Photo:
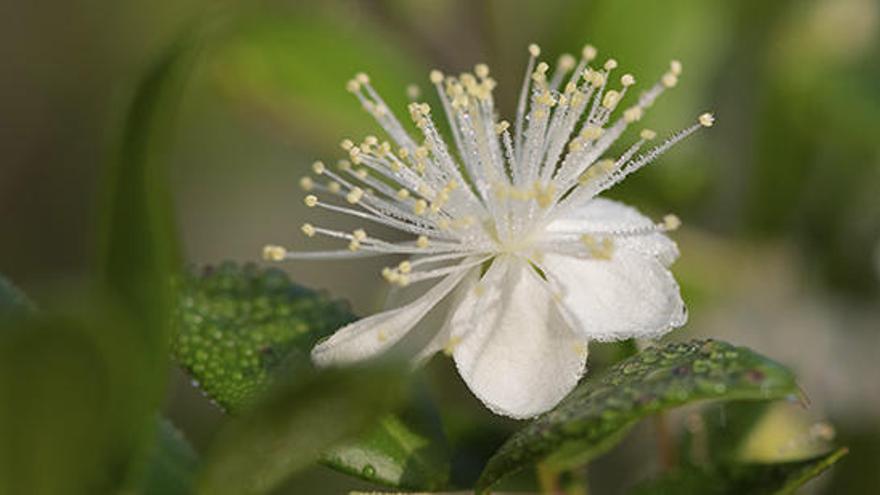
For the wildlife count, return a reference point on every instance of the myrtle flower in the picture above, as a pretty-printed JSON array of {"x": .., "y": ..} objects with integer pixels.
[{"x": 510, "y": 248}]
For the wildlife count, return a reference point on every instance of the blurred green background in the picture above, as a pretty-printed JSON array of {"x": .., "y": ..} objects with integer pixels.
[{"x": 780, "y": 200}]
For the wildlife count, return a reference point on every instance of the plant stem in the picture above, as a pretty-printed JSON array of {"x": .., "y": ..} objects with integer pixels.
[
  {"x": 666, "y": 450},
  {"x": 548, "y": 479}
]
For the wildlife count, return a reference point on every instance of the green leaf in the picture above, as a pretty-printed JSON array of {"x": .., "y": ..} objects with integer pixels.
[
  {"x": 71, "y": 418},
  {"x": 234, "y": 326},
  {"x": 171, "y": 465},
  {"x": 289, "y": 429},
  {"x": 599, "y": 412},
  {"x": 755, "y": 479},
  {"x": 406, "y": 452},
  {"x": 12, "y": 300}
]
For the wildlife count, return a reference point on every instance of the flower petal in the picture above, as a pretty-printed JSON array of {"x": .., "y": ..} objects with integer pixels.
[
  {"x": 373, "y": 335},
  {"x": 605, "y": 214},
  {"x": 629, "y": 296},
  {"x": 516, "y": 352}
]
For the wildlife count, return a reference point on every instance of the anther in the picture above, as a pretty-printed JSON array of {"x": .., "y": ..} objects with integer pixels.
[
  {"x": 633, "y": 114},
  {"x": 362, "y": 78},
  {"x": 534, "y": 50},
  {"x": 318, "y": 167},
  {"x": 354, "y": 195},
  {"x": 707, "y": 120},
  {"x": 308, "y": 230},
  {"x": 306, "y": 183},
  {"x": 610, "y": 64},
  {"x": 627, "y": 80},
  {"x": 566, "y": 62},
  {"x": 669, "y": 80},
  {"x": 671, "y": 222},
  {"x": 360, "y": 234},
  {"x": 311, "y": 200},
  {"x": 647, "y": 134},
  {"x": 610, "y": 99},
  {"x": 422, "y": 241},
  {"x": 436, "y": 76},
  {"x": 675, "y": 67},
  {"x": 274, "y": 253},
  {"x": 405, "y": 267},
  {"x": 481, "y": 70},
  {"x": 588, "y": 52}
]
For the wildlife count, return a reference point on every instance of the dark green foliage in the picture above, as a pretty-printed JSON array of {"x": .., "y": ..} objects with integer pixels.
[
  {"x": 72, "y": 417},
  {"x": 172, "y": 464},
  {"x": 234, "y": 325},
  {"x": 596, "y": 415},
  {"x": 12, "y": 300},
  {"x": 290, "y": 427},
  {"x": 754, "y": 479}
]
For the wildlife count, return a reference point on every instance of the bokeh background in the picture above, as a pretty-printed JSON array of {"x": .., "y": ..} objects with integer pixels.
[{"x": 780, "y": 200}]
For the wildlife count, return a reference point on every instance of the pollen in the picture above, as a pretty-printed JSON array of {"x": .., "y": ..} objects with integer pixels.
[
  {"x": 671, "y": 222},
  {"x": 311, "y": 200},
  {"x": 308, "y": 229},
  {"x": 404, "y": 267},
  {"x": 354, "y": 195},
  {"x": 707, "y": 120},
  {"x": 360, "y": 234},
  {"x": 274, "y": 253}
]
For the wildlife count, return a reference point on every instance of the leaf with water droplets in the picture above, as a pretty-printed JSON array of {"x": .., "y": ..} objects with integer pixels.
[
  {"x": 171, "y": 465},
  {"x": 599, "y": 411},
  {"x": 757, "y": 479},
  {"x": 234, "y": 325}
]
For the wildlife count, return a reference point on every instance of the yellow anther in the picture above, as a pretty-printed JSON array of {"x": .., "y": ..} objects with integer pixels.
[
  {"x": 361, "y": 173},
  {"x": 669, "y": 80},
  {"x": 371, "y": 140},
  {"x": 671, "y": 222},
  {"x": 544, "y": 195},
  {"x": 306, "y": 183},
  {"x": 627, "y": 80},
  {"x": 588, "y": 52},
  {"x": 610, "y": 99},
  {"x": 534, "y": 50},
  {"x": 354, "y": 245},
  {"x": 481, "y": 70},
  {"x": 502, "y": 126},
  {"x": 567, "y": 62},
  {"x": 580, "y": 349},
  {"x": 591, "y": 132},
  {"x": 436, "y": 76},
  {"x": 422, "y": 241},
  {"x": 318, "y": 167},
  {"x": 452, "y": 185},
  {"x": 402, "y": 194},
  {"x": 443, "y": 224},
  {"x": 360, "y": 234},
  {"x": 598, "y": 249},
  {"x": 308, "y": 230},
  {"x": 597, "y": 78},
  {"x": 381, "y": 335},
  {"x": 707, "y": 120},
  {"x": 675, "y": 67},
  {"x": 420, "y": 207},
  {"x": 274, "y": 253},
  {"x": 606, "y": 165},
  {"x": 403, "y": 280},
  {"x": 413, "y": 91},
  {"x": 570, "y": 88},
  {"x": 362, "y": 78},
  {"x": 343, "y": 165},
  {"x": 311, "y": 200},
  {"x": 633, "y": 114},
  {"x": 334, "y": 187},
  {"x": 354, "y": 195},
  {"x": 405, "y": 267},
  {"x": 346, "y": 144},
  {"x": 610, "y": 64},
  {"x": 647, "y": 134}
]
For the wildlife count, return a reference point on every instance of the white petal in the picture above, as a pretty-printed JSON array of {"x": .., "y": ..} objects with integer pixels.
[
  {"x": 373, "y": 335},
  {"x": 630, "y": 295},
  {"x": 605, "y": 214},
  {"x": 516, "y": 352}
]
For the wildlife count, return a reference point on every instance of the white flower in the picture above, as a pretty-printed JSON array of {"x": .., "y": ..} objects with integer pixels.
[{"x": 527, "y": 264}]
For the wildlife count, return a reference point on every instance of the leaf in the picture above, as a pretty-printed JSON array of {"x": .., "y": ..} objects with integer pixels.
[
  {"x": 599, "y": 412},
  {"x": 171, "y": 465},
  {"x": 289, "y": 429},
  {"x": 12, "y": 300},
  {"x": 754, "y": 479},
  {"x": 234, "y": 325},
  {"x": 71, "y": 419},
  {"x": 407, "y": 452}
]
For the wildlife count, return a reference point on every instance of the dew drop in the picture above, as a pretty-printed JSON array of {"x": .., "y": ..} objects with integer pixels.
[{"x": 369, "y": 470}]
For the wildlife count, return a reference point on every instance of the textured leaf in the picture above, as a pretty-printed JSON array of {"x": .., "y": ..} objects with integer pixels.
[
  {"x": 407, "y": 452},
  {"x": 754, "y": 479},
  {"x": 289, "y": 429},
  {"x": 234, "y": 325},
  {"x": 12, "y": 300},
  {"x": 171, "y": 465},
  {"x": 599, "y": 412},
  {"x": 71, "y": 419}
]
